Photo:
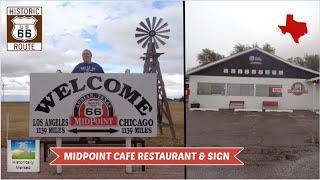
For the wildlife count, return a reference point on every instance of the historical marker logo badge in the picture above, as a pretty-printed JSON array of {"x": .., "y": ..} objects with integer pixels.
[
  {"x": 23, "y": 155},
  {"x": 24, "y": 28}
]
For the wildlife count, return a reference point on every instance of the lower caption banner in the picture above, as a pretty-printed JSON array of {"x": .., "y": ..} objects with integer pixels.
[{"x": 146, "y": 156}]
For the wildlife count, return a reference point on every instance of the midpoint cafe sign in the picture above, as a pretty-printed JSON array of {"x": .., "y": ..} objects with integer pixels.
[{"x": 93, "y": 105}]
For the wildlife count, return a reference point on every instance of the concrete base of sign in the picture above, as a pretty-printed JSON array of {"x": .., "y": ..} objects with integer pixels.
[
  {"x": 247, "y": 110},
  {"x": 279, "y": 110},
  {"x": 203, "y": 109}
]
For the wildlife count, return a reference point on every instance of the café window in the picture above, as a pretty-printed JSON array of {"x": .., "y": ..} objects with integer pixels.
[
  {"x": 233, "y": 71},
  {"x": 239, "y": 71},
  {"x": 211, "y": 89},
  {"x": 280, "y": 72},
  {"x": 225, "y": 70},
  {"x": 274, "y": 72},
  {"x": 253, "y": 71},
  {"x": 267, "y": 72},
  {"x": 266, "y": 90},
  {"x": 246, "y": 71},
  {"x": 240, "y": 89},
  {"x": 260, "y": 72}
]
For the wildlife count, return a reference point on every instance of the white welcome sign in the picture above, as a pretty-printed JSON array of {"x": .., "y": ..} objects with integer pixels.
[{"x": 93, "y": 105}]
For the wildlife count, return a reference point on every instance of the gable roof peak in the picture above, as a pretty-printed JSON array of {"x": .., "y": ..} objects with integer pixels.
[{"x": 247, "y": 51}]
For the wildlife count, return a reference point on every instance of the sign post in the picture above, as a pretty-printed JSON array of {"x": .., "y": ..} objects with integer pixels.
[
  {"x": 128, "y": 144},
  {"x": 59, "y": 144}
]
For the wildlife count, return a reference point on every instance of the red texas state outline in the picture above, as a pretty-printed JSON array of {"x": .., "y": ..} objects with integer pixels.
[{"x": 296, "y": 29}]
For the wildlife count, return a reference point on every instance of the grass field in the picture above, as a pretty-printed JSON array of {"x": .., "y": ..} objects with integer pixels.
[
  {"x": 24, "y": 155},
  {"x": 19, "y": 124},
  {"x": 177, "y": 112}
]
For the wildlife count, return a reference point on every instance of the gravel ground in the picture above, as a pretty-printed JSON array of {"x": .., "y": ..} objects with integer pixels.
[
  {"x": 265, "y": 164},
  {"x": 277, "y": 145}
]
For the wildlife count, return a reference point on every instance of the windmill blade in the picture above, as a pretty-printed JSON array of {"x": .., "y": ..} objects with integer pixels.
[
  {"x": 154, "y": 19},
  {"x": 139, "y": 35},
  {"x": 142, "y": 39},
  {"x": 146, "y": 42},
  {"x": 162, "y": 42},
  {"x": 159, "y": 22},
  {"x": 148, "y": 23},
  {"x": 141, "y": 30},
  {"x": 144, "y": 26},
  {"x": 164, "y": 31},
  {"x": 152, "y": 31},
  {"x": 164, "y": 25},
  {"x": 155, "y": 43},
  {"x": 163, "y": 36}
]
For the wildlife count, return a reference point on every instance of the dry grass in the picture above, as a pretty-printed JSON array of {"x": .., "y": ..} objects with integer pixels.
[
  {"x": 164, "y": 140},
  {"x": 19, "y": 121},
  {"x": 19, "y": 124},
  {"x": 312, "y": 139}
]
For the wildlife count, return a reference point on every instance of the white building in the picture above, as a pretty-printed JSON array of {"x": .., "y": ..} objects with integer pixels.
[{"x": 254, "y": 79}]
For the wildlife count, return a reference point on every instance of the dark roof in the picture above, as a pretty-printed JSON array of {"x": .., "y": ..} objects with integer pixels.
[{"x": 241, "y": 60}]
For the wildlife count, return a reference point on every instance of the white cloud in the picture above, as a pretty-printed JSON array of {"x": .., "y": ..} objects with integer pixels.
[
  {"x": 120, "y": 33},
  {"x": 173, "y": 84},
  {"x": 113, "y": 22}
]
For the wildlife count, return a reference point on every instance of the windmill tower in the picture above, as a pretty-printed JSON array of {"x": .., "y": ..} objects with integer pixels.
[{"x": 149, "y": 36}]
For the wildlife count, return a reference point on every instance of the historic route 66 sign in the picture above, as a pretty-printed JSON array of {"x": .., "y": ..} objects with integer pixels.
[{"x": 24, "y": 28}]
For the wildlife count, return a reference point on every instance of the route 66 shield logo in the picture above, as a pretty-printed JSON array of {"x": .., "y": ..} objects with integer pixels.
[
  {"x": 24, "y": 28},
  {"x": 93, "y": 108}
]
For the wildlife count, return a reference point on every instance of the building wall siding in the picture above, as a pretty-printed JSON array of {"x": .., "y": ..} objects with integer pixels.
[{"x": 287, "y": 101}]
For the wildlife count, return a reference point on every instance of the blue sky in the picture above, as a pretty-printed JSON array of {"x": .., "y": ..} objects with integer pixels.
[
  {"x": 15, "y": 144},
  {"x": 107, "y": 28}
]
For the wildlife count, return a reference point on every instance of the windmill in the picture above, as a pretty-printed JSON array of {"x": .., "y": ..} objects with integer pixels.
[{"x": 150, "y": 35}]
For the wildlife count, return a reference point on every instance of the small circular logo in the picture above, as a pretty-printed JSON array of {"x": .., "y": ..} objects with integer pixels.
[{"x": 93, "y": 105}]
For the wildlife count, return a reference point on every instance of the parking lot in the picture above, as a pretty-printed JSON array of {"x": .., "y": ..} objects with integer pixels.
[{"x": 277, "y": 145}]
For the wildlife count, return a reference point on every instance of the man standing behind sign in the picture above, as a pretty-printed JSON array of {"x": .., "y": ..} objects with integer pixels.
[{"x": 87, "y": 66}]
